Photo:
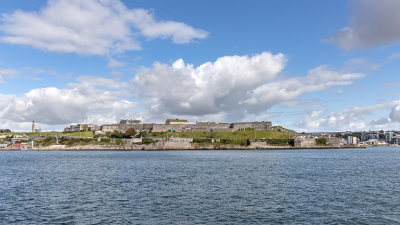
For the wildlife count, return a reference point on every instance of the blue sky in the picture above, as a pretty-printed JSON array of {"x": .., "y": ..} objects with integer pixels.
[{"x": 306, "y": 65}]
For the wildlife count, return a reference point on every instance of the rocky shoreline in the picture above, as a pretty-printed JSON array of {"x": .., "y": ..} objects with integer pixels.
[{"x": 162, "y": 148}]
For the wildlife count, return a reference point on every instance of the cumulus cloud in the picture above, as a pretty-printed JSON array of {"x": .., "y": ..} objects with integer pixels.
[
  {"x": 372, "y": 23},
  {"x": 355, "y": 118},
  {"x": 395, "y": 113},
  {"x": 277, "y": 92},
  {"x": 230, "y": 87},
  {"x": 54, "y": 106},
  {"x": 91, "y": 27}
]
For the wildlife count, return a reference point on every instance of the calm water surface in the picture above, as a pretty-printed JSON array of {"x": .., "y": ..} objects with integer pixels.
[{"x": 352, "y": 186}]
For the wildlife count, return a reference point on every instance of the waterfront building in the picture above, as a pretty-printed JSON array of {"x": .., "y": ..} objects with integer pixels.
[
  {"x": 388, "y": 137},
  {"x": 352, "y": 140},
  {"x": 369, "y": 136},
  {"x": 396, "y": 140}
]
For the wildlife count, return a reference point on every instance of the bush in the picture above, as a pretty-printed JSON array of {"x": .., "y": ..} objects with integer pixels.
[
  {"x": 147, "y": 141},
  {"x": 106, "y": 140},
  {"x": 202, "y": 140},
  {"x": 129, "y": 133},
  {"x": 320, "y": 141},
  {"x": 48, "y": 139},
  {"x": 242, "y": 142},
  {"x": 108, "y": 134},
  {"x": 280, "y": 141},
  {"x": 118, "y": 141},
  {"x": 117, "y": 134}
]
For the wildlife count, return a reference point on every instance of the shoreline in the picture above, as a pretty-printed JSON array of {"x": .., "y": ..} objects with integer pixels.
[{"x": 194, "y": 148}]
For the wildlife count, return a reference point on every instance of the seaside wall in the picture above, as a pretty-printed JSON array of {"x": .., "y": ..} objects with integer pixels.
[{"x": 304, "y": 142}]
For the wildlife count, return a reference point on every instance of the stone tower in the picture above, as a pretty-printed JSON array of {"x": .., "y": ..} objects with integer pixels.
[{"x": 33, "y": 126}]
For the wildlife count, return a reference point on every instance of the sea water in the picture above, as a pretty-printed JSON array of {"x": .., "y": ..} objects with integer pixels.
[{"x": 335, "y": 186}]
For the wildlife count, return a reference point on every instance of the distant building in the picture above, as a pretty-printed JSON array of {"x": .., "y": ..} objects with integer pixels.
[
  {"x": 124, "y": 125},
  {"x": 369, "y": 136},
  {"x": 396, "y": 140},
  {"x": 352, "y": 140},
  {"x": 388, "y": 137},
  {"x": 176, "y": 121},
  {"x": 130, "y": 122},
  {"x": 81, "y": 127}
]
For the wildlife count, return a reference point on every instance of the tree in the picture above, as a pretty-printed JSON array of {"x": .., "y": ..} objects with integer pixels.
[
  {"x": 129, "y": 133},
  {"x": 117, "y": 134}
]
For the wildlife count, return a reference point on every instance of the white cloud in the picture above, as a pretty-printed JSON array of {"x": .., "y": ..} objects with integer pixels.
[
  {"x": 7, "y": 73},
  {"x": 372, "y": 23},
  {"x": 114, "y": 63},
  {"x": 395, "y": 113},
  {"x": 91, "y": 27},
  {"x": 361, "y": 64},
  {"x": 93, "y": 81},
  {"x": 54, "y": 106},
  {"x": 280, "y": 91},
  {"x": 355, "y": 118},
  {"x": 229, "y": 88}
]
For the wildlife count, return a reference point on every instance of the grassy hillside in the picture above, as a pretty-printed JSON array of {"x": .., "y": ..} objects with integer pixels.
[{"x": 79, "y": 134}]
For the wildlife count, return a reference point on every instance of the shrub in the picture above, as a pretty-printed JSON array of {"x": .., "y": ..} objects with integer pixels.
[
  {"x": 118, "y": 141},
  {"x": 202, "y": 140},
  {"x": 320, "y": 141},
  {"x": 280, "y": 141},
  {"x": 106, "y": 140},
  {"x": 147, "y": 141},
  {"x": 117, "y": 134},
  {"x": 48, "y": 139},
  {"x": 129, "y": 133},
  {"x": 108, "y": 134},
  {"x": 242, "y": 142}
]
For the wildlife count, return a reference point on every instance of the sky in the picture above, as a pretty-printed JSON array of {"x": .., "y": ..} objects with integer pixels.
[{"x": 307, "y": 65}]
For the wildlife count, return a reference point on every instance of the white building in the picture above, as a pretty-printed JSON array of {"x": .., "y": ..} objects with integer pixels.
[{"x": 352, "y": 140}]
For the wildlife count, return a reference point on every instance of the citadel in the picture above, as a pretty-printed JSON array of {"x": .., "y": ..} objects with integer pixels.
[{"x": 177, "y": 125}]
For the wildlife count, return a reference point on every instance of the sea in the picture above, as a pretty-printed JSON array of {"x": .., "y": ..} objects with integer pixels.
[{"x": 314, "y": 186}]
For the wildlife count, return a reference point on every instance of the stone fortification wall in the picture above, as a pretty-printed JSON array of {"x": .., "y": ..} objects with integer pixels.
[
  {"x": 304, "y": 142},
  {"x": 334, "y": 141},
  {"x": 286, "y": 131},
  {"x": 121, "y": 127},
  {"x": 192, "y": 127},
  {"x": 198, "y": 127},
  {"x": 253, "y": 125},
  {"x": 148, "y": 127},
  {"x": 167, "y": 127},
  {"x": 309, "y": 142}
]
